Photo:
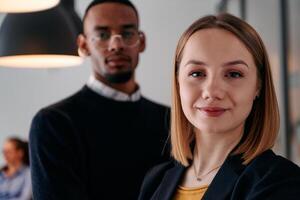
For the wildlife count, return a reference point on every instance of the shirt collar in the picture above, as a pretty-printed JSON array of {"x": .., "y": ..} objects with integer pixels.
[
  {"x": 17, "y": 173},
  {"x": 111, "y": 93}
]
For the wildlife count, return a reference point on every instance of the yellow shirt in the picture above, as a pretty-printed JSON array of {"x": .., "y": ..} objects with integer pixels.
[{"x": 183, "y": 193}]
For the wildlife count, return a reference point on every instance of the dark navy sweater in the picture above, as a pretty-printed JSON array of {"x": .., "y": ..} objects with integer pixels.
[{"x": 91, "y": 147}]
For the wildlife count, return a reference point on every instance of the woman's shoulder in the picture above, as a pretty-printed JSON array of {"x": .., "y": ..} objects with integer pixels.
[
  {"x": 155, "y": 176},
  {"x": 158, "y": 171},
  {"x": 269, "y": 161},
  {"x": 270, "y": 176}
]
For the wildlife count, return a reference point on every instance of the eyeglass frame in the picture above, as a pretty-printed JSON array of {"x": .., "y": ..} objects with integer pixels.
[{"x": 111, "y": 37}]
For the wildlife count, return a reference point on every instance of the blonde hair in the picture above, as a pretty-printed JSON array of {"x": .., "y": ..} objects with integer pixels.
[{"x": 262, "y": 124}]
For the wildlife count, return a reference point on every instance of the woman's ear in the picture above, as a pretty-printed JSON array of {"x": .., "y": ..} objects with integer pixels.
[
  {"x": 257, "y": 93},
  {"x": 142, "y": 45},
  {"x": 83, "y": 50}
]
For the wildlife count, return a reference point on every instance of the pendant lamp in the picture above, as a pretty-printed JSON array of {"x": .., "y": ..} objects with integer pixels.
[
  {"x": 44, "y": 39},
  {"x": 21, "y": 6},
  {"x": 69, "y": 7}
]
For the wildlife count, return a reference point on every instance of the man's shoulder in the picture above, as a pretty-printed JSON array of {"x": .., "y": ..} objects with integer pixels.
[
  {"x": 64, "y": 107},
  {"x": 58, "y": 121},
  {"x": 151, "y": 104},
  {"x": 70, "y": 100},
  {"x": 158, "y": 113}
]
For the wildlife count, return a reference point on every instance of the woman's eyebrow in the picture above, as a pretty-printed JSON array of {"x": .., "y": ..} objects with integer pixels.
[
  {"x": 195, "y": 62},
  {"x": 236, "y": 62},
  {"x": 230, "y": 63}
]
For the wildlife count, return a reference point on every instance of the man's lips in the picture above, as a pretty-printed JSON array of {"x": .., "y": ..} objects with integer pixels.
[
  {"x": 116, "y": 58},
  {"x": 212, "y": 111},
  {"x": 115, "y": 61}
]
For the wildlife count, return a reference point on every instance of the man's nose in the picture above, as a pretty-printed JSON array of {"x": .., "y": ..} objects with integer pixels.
[{"x": 116, "y": 43}]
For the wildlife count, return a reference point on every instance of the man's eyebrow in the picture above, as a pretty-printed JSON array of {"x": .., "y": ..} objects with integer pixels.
[
  {"x": 129, "y": 26},
  {"x": 125, "y": 26},
  {"x": 101, "y": 28},
  {"x": 236, "y": 62}
]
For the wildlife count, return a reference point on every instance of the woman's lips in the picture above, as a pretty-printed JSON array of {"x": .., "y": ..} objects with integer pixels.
[{"x": 212, "y": 111}]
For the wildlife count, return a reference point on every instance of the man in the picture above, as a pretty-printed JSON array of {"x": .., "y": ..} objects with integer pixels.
[{"x": 100, "y": 142}]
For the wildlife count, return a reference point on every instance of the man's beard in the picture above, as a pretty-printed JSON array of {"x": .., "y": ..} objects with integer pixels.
[{"x": 121, "y": 77}]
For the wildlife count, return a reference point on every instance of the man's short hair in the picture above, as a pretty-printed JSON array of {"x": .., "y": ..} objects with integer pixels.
[{"x": 96, "y": 2}]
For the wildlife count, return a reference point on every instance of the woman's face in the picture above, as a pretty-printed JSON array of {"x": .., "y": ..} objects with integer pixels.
[
  {"x": 11, "y": 154},
  {"x": 217, "y": 81}
]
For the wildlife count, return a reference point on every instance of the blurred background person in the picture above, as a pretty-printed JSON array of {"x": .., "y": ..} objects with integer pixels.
[{"x": 15, "y": 181}]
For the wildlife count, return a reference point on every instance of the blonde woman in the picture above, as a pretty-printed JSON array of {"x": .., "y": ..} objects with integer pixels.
[{"x": 225, "y": 120}]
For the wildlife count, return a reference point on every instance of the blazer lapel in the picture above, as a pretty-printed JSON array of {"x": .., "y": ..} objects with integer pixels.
[
  {"x": 223, "y": 183},
  {"x": 169, "y": 183}
]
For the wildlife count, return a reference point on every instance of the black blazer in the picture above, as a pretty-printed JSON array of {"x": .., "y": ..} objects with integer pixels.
[{"x": 268, "y": 176}]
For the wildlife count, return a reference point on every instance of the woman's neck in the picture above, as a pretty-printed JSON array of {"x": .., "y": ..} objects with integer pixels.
[
  {"x": 210, "y": 152},
  {"x": 211, "y": 149}
]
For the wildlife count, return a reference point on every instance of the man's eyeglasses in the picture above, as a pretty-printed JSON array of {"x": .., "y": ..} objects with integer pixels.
[{"x": 130, "y": 38}]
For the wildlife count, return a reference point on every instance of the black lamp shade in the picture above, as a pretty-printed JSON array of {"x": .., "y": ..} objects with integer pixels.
[
  {"x": 50, "y": 32},
  {"x": 69, "y": 7}
]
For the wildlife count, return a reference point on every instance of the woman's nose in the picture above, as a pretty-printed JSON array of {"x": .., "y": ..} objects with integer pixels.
[{"x": 213, "y": 88}]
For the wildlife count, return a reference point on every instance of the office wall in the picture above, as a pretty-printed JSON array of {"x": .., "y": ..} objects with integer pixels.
[
  {"x": 264, "y": 15},
  {"x": 294, "y": 77}
]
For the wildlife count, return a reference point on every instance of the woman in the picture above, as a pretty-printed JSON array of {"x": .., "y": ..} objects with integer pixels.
[
  {"x": 15, "y": 181},
  {"x": 225, "y": 120}
]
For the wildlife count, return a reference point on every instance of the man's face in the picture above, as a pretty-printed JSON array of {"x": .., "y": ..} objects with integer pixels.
[{"x": 107, "y": 27}]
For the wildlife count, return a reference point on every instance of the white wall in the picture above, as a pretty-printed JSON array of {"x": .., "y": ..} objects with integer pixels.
[{"x": 24, "y": 92}]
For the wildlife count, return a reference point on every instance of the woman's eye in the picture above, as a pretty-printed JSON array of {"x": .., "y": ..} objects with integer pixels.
[
  {"x": 197, "y": 74},
  {"x": 234, "y": 75}
]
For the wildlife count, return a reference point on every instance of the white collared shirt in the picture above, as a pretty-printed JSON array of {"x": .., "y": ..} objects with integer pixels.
[{"x": 111, "y": 93}]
